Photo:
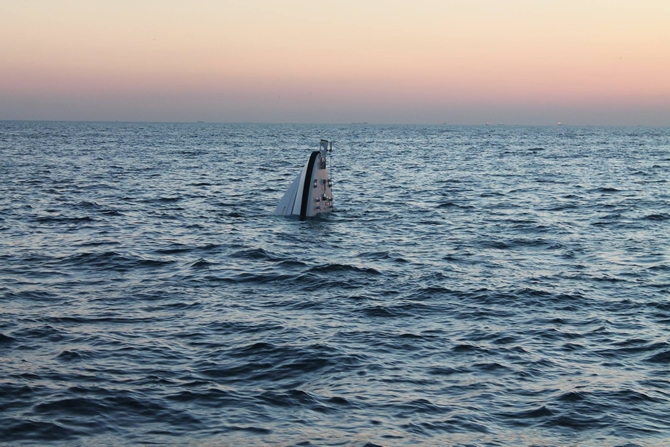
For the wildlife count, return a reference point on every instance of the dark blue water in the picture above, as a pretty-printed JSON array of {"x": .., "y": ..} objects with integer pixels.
[{"x": 475, "y": 286}]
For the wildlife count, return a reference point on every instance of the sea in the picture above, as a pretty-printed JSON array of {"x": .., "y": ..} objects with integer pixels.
[{"x": 474, "y": 286}]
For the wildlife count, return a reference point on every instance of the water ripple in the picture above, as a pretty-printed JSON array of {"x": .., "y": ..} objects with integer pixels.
[{"x": 490, "y": 285}]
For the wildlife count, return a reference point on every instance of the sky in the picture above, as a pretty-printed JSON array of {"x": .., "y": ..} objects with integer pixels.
[{"x": 538, "y": 62}]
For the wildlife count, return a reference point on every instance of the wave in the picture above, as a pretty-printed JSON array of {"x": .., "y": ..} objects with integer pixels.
[
  {"x": 111, "y": 260},
  {"x": 657, "y": 217},
  {"x": 342, "y": 268}
]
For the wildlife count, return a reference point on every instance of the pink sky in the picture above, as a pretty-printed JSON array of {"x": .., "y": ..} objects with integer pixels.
[{"x": 381, "y": 61}]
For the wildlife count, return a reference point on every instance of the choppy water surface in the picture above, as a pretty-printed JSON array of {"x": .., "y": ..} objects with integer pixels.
[{"x": 476, "y": 285}]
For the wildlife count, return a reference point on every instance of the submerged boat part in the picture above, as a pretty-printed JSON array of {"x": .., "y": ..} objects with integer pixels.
[{"x": 311, "y": 191}]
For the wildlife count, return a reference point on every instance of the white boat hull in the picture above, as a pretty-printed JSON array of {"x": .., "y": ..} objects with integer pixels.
[{"x": 311, "y": 191}]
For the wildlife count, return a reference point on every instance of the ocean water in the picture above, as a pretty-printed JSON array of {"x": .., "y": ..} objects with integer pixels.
[{"x": 485, "y": 286}]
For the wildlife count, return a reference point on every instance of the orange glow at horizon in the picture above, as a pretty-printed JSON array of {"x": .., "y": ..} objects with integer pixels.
[{"x": 277, "y": 61}]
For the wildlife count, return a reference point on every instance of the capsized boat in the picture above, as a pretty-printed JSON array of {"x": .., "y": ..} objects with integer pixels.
[{"x": 311, "y": 191}]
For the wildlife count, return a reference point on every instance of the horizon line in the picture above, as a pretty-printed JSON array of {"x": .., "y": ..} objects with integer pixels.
[{"x": 360, "y": 124}]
